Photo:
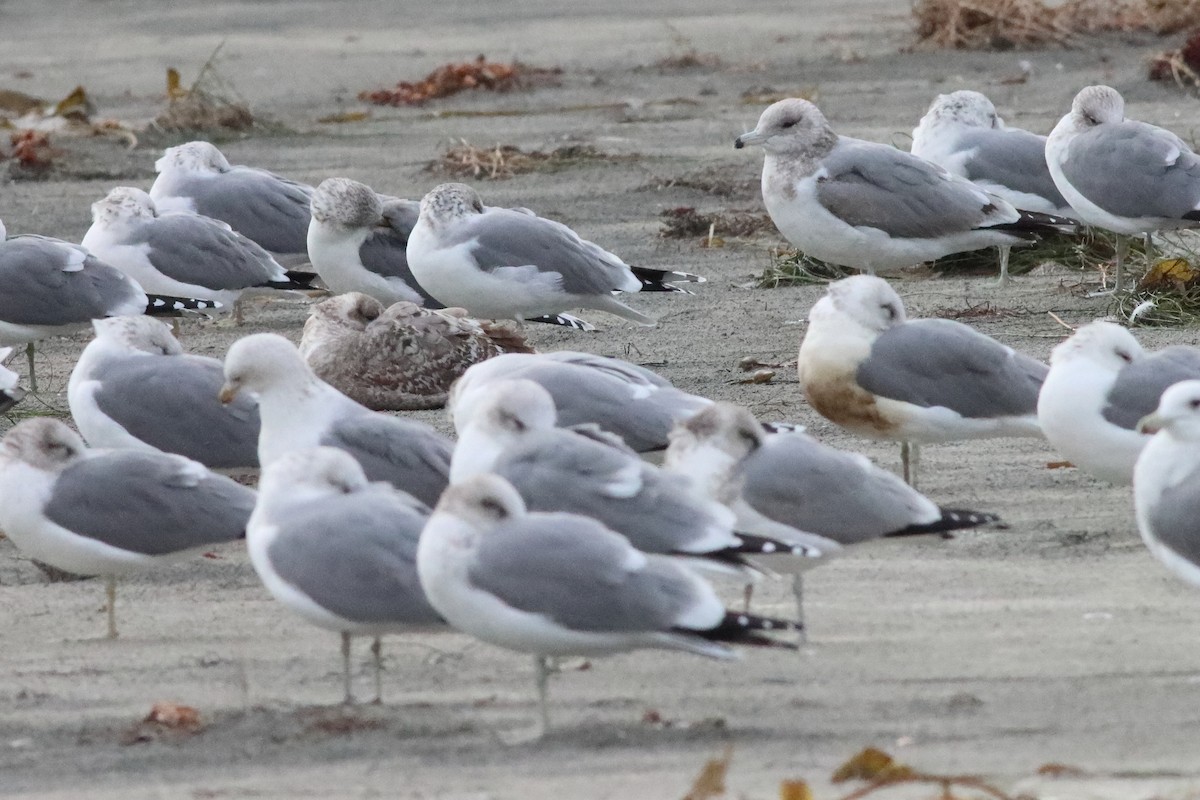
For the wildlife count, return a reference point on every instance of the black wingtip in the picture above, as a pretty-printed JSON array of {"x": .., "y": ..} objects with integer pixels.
[
  {"x": 952, "y": 519},
  {"x": 163, "y": 305},
  {"x": 661, "y": 280},
  {"x": 302, "y": 278},
  {"x": 749, "y": 629},
  {"x": 1033, "y": 224},
  {"x": 752, "y": 544},
  {"x": 564, "y": 321}
]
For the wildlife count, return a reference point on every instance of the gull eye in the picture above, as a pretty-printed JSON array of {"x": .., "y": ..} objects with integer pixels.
[
  {"x": 1194, "y": 402},
  {"x": 888, "y": 310},
  {"x": 791, "y": 123},
  {"x": 493, "y": 508},
  {"x": 1126, "y": 357}
]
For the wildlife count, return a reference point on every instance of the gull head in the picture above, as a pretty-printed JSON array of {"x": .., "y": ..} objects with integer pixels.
[
  {"x": 194, "y": 157},
  {"x": 121, "y": 205},
  {"x": 449, "y": 202},
  {"x": 791, "y": 127},
  {"x": 43, "y": 443},
  {"x": 708, "y": 447},
  {"x": 347, "y": 204},
  {"x": 512, "y": 409},
  {"x": 482, "y": 501},
  {"x": 1104, "y": 345},
  {"x": 321, "y": 470},
  {"x": 138, "y": 332},
  {"x": 1178, "y": 413},
  {"x": 352, "y": 310},
  {"x": 867, "y": 300},
  {"x": 261, "y": 363},
  {"x": 1097, "y": 105},
  {"x": 966, "y": 108}
]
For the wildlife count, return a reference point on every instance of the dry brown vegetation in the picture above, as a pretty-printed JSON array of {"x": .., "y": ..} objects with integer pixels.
[
  {"x": 450, "y": 79},
  {"x": 500, "y": 161},
  {"x": 209, "y": 105},
  {"x": 686, "y": 222},
  {"x": 1181, "y": 66}
]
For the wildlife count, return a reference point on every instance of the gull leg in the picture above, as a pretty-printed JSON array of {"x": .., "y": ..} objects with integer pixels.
[
  {"x": 747, "y": 595},
  {"x": 1005, "y": 252},
  {"x": 544, "y": 668},
  {"x": 349, "y": 696},
  {"x": 1122, "y": 251},
  {"x": 32, "y": 375},
  {"x": 798, "y": 593},
  {"x": 110, "y": 591},
  {"x": 910, "y": 458},
  {"x": 377, "y": 652},
  {"x": 915, "y": 458}
]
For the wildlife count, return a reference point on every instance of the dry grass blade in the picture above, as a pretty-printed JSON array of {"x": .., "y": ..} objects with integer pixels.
[{"x": 792, "y": 268}]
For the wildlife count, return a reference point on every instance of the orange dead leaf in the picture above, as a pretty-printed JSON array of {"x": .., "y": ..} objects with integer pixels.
[
  {"x": 175, "y": 716},
  {"x": 1056, "y": 770},
  {"x": 871, "y": 764},
  {"x": 710, "y": 783},
  {"x": 344, "y": 116},
  {"x": 175, "y": 89},
  {"x": 1059, "y": 465},
  {"x": 454, "y": 78},
  {"x": 795, "y": 790},
  {"x": 1170, "y": 274}
]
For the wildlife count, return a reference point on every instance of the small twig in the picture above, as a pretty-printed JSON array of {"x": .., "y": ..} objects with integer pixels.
[{"x": 1059, "y": 320}]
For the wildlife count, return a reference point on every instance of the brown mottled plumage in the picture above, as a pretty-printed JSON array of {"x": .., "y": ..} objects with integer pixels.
[{"x": 400, "y": 358}]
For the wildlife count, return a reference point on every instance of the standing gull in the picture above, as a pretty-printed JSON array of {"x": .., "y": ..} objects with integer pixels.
[
  {"x": 1100, "y": 385},
  {"x": 300, "y": 411},
  {"x": 622, "y": 398},
  {"x": 1120, "y": 174},
  {"x": 339, "y": 551},
  {"x": 504, "y": 263},
  {"x": 1166, "y": 482},
  {"x": 962, "y": 134},
  {"x": 870, "y": 206},
  {"x": 564, "y": 585},
  {"x": 110, "y": 512},
  {"x": 272, "y": 211},
  {"x": 134, "y": 387},
  {"x": 866, "y": 367}
]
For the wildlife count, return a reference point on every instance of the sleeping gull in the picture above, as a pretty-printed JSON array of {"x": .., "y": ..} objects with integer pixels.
[
  {"x": 300, "y": 411},
  {"x": 792, "y": 487},
  {"x": 339, "y": 551},
  {"x": 1101, "y": 383},
  {"x": 110, "y": 512},
  {"x": 866, "y": 367},
  {"x": 272, "y": 211},
  {"x": 963, "y": 135},
  {"x": 134, "y": 387},
  {"x": 177, "y": 253},
  {"x": 622, "y": 398},
  {"x": 1166, "y": 482},
  {"x": 505, "y": 263},
  {"x": 564, "y": 585},
  {"x": 399, "y": 358},
  {"x": 1120, "y": 174},
  {"x": 870, "y": 206},
  {"x": 513, "y": 435}
]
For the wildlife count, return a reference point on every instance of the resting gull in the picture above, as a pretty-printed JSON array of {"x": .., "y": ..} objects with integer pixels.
[
  {"x": 1101, "y": 383},
  {"x": 868, "y": 368},
  {"x": 1120, "y": 174},
  {"x": 300, "y": 411},
  {"x": 565, "y": 585},
  {"x": 110, "y": 512},
  {"x": 339, "y": 551},
  {"x": 1166, "y": 482},
  {"x": 870, "y": 206},
  {"x": 135, "y": 387}
]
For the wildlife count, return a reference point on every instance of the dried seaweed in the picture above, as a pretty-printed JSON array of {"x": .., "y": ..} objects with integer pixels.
[
  {"x": 1168, "y": 295},
  {"x": 793, "y": 268},
  {"x": 686, "y": 222},
  {"x": 501, "y": 161},
  {"x": 450, "y": 79},
  {"x": 1181, "y": 66},
  {"x": 210, "y": 105}
]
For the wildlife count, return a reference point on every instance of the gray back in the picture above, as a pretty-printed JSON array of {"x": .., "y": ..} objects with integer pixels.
[
  {"x": 1012, "y": 158},
  {"x": 194, "y": 250},
  {"x": 1139, "y": 385},
  {"x": 410, "y": 455},
  {"x": 34, "y": 290},
  {"x": 262, "y": 206}
]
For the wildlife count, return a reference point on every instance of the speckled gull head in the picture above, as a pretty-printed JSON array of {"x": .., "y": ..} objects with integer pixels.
[
  {"x": 791, "y": 127},
  {"x": 965, "y": 107},
  {"x": 43, "y": 443},
  {"x": 346, "y": 203},
  {"x": 711, "y": 444},
  {"x": 1178, "y": 413},
  {"x": 196, "y": 157},
  {"x": 481, "y": 501},
  {"x": 449, "y": 202},
  {"x": 139, "y": 333},
  {"x": 322, "y": 470},
  {"x": 353, "y": 310},
  {"x": 1096, "y": 105},
  {"x": 1105, "y": 344},
  {"x": 869, "y": 301},
  {"x": 263, "y": 361},
  {"x": 121, "y": 205}
]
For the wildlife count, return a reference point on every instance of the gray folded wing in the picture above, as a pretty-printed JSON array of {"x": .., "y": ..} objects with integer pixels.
[
  {"x": 1132, "y": 169},
  {"x": 170, "y": 402},
  {"x": 877, "y": 186},
  {"x": 148, "y": 503},
  {"x": 575, "y": 572},
  {"x": 410, "y": 455},
  {"x": 938, "y": 362},
  {"x": 1139, "y": 385},
  {"x": 203, "y": 252},
  {"x": 35, "y": 289},
  {"x": 1012, "y": 158},
  {"x": 264, "y": 207},
  {"x": 797, "y": 481},
  {"x": 1175, "y": 517},
  {"x": 384, "y": 252},
  {"x": 355, "y": 556}
]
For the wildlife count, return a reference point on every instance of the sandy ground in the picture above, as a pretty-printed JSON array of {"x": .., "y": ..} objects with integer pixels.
[{"x": 1058, "y": 640}]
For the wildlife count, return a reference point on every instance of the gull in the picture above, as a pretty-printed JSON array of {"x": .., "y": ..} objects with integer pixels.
[
  {"x": 300, "y": 411},
  {"x": 402, "y": 357},
  {"x": 1166, "y": 482},
  {"x": 791, "y": 487},
  {"x": 963, "y": 135},
  {"x": 177, "y": 253},
  {"x": 1126, "y": 176},
  {"x": 866, "y": 367},
  {"x": 196, "y": 178},
  {"x": 870, "y": 206},
  {"x": 110, "y": 512},
  {"x": 135, "y": 387},
  {"x": 513, "y": 435},
  {"x": 339, "y": 551},
  {"x": 622, "y": 398},
  {"x": 505, "y": 263},
  {"x": 1101, "y": 383},
  {"x": 564, "y": 585}
]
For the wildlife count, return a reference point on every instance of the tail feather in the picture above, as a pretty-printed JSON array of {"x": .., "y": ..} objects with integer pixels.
[
  {"x": 748, "y": 629},
  {"x": 953, "y": 519},
  {"x": 1033, "y": 224},
  {"x": 658, "y": 280},
  {"x": 783, "y": 427},
  {"x": 164, "y": 305}
]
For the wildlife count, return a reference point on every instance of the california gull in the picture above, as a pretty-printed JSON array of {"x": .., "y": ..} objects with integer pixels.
[
  {"x": 564, "y": 585},
  {"x": 300, "y": 411},
  {"x": 135, "y": 387},
  {"x": 868, "y": 368},
  {"x": 870, "y": 206},
  {"x": 110, "y": 512},
  {"x": 1101, "y": 383}
]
